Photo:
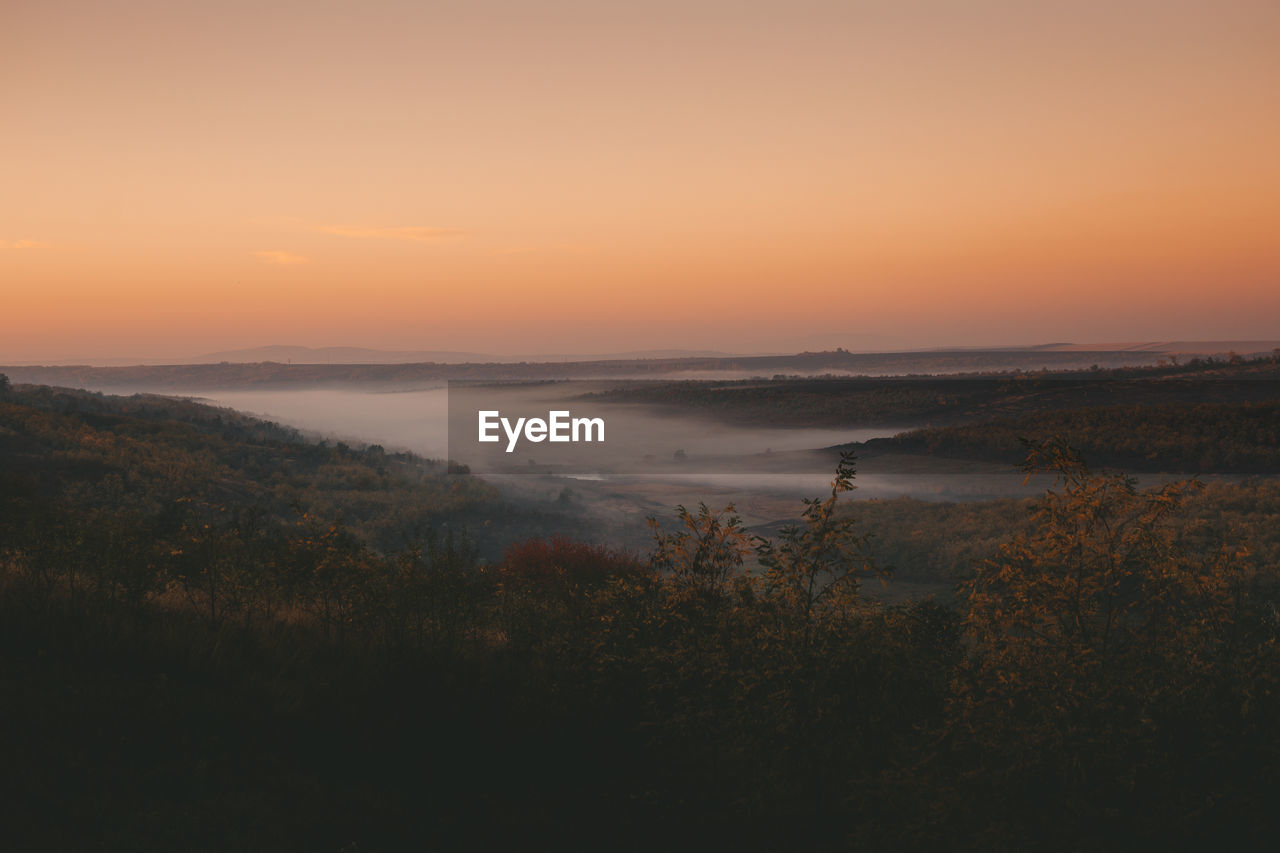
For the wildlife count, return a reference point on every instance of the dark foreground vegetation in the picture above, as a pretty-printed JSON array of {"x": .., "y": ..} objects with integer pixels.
[{"x": 196, "y": 655}]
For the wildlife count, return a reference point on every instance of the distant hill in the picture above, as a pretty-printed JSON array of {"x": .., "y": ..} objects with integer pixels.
[
  {"x": 282, "y": 367},
  {"x": 336, "y": 355},
  {"x": 1244, "y": 348},
  {"x": 364, "y": 355},
  {"x": 402, "y": 376}
]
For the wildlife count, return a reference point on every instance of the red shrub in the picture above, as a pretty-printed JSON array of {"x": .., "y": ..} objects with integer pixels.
[{"x": 559, "y": 562}]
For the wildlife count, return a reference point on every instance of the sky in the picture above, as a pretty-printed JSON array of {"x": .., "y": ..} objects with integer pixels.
[{"x": 180, "y": 178}]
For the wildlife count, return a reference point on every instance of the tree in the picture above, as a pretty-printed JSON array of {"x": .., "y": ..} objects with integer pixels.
[
  {"x": 1104, "y": 573},
  {"x": 703, "y": 556},
  {"x": 1096, "y": 642},
  {"x": 816, "y": 566}
]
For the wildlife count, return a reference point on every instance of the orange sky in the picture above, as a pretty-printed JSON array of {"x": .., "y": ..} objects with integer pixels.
[{"x": 177, "y": 178}]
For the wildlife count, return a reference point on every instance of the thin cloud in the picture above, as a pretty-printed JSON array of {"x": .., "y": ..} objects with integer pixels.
[
  {"x": 287, "y": 259},
  {"x": 410, "y": 233},
  {"x": 24, "y": 244},
  {"x": 544, "y": 248}
]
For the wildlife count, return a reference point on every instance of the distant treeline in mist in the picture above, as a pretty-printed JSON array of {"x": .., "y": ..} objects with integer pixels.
[
  {"x": 1200, "y": 438},
  {"x": 830, "y": 401}
]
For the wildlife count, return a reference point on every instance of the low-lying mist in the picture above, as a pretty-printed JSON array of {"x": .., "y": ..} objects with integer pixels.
[{"x": 651, "y": 460}]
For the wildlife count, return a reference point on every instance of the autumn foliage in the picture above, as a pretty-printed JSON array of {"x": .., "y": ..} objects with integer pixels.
[
  {"x": 188, "y": 665},
  {"x": 558, "y": 563}
]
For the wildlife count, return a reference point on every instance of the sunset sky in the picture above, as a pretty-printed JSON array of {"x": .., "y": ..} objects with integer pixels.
[{"x": 183, "y": 177}]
